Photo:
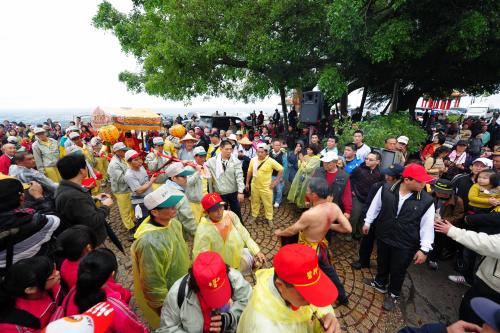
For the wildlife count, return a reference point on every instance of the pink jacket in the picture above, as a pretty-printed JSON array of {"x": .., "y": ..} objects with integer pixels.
[
  {"x": 124, "y": 321},
  {"x": 46, "y": 309},
  {"x": 69, "y": 274}
]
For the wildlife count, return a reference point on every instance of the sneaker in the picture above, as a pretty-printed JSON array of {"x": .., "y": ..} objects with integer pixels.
[
  {"x": 433, "y": 265},
  {"x": 359, "y": 265},
  {"x": 372, "y": 283},
  {"x": 271, "y": 224},
  {"x": 276, "y": 205},
  {"x": 458, "y": 279},
  {"x": 390, "y": 302}
]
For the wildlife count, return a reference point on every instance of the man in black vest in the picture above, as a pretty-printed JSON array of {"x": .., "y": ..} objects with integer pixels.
[
  {"x": 280, "y": 157},
  {"x": 405, "y": 230}
]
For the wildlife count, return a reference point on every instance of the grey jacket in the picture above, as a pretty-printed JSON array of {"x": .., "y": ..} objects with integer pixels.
[
  {"x": 45, "y": 156},
  {"x": 26, "y": 175},
  {"x": 188, "y": 318},
  {"x": 184, "y": 211},
  {"x": 116, "y": 171},
  {"x": 229, "y": 181}
]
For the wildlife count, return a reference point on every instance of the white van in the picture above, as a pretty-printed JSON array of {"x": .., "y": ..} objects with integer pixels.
[{"x": 485, "y": 111}]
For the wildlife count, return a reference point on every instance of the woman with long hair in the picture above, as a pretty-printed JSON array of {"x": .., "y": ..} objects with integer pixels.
[
  {"x": 30, "y": 295},
  {"x": 94, "y": 272}
]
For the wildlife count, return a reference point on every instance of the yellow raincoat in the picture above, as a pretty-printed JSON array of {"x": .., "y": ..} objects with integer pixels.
[
  {"x": 267, "y": 311},
  {"x": 159, "y": 258},
  {"x": 228, "y": 237}
]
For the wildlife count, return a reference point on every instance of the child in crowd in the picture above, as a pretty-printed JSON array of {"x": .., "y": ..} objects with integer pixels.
[
  {"x": 30, "y": 296},
  {"x": 484, "y": 196},
  {"x": 74, "y": 244},
  {"x": 94, "y": 273}
]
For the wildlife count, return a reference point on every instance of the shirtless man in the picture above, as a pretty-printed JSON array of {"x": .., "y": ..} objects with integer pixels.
[{"x": 313, "y": 225}]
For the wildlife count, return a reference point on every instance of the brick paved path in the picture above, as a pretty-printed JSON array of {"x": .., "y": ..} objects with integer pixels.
[{"x": 364, "y": 313}]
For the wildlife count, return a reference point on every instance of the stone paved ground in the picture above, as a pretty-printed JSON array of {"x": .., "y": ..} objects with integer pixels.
[{"x": 427, "y": 295}]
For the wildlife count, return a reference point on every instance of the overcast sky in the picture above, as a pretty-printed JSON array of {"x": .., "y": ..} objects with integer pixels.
[{"x": 52, "y": 57}]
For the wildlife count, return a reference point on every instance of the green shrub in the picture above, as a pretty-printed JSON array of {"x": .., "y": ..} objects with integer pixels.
[{"x": 378, "y": 128}]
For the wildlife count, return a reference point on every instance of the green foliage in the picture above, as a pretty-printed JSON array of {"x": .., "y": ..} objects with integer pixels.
[
  {"x": 332, "y": 84},
  {"x": 378, "y": 128},
  {"x": 452, "y": 118}
]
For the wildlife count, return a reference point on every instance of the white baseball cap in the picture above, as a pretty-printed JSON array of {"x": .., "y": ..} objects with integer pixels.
[
  {"x": 199, "y": 151},
  {"x": 158, "y": 140},
  {"x": 486, "y": 161},
  {"x": 162, "y": 197},
  {"x": 95, "y": 141},
  {"x": 232, "y": 137},
  {"x": 39, "y": 130},
  {"x": 238, "y": 132},
  {"x": 262, "y": 145},
  {"x": 74, "y": 135},
  {"x": 178, "y": 169},
  {"x": 330, "y": 156},
  {"x": 12, "y": 139},
  {"x": 131, "y": 154},
  {"x": 120, "y": 146},
  {"x": 403, "y": 139}
]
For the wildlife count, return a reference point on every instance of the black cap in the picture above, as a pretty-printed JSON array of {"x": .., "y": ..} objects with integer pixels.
[
  {"x": 443, "y": 186},
  {"x": 216, "y": 135},
  {"x": 394, "y": 170},
  {"x": 462, "y": 143}
]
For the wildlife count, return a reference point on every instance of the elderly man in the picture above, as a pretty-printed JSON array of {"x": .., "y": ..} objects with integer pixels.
[
  {"x": 9, "y": 150},
  {"x": 282, "y": 296},
  {"x": 46, "y": 153},
  {"x": 338, "y": 182},
  {"x": 260, "y": 171},
  {"x": 177, "y": 175},
  {"x": 227, "y": 177},
  {"x": 313, "y": 225},
  {"x": 155, "y": 160},
  {"x": 402, "y": 146},
  {"x": 186, "y": 152},
  {"x": 197, "y": 184},
  {"x": 24, "y": 170},
  {"x": 391, "y": 144},
  {"x": 159, "y": 254},
  {"x": 116, "y": 170}
]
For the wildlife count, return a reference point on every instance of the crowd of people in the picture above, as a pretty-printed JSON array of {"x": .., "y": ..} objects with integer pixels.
[{"x": 192, "y": 256}]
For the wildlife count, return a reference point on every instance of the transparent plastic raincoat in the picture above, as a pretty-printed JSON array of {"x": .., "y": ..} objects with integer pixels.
[
  {"x": 228, "y": 237},
  {"x": 159, "y": 258},
  {"x": 297, "y": 192},
  {"x": 267, "y": 311}
]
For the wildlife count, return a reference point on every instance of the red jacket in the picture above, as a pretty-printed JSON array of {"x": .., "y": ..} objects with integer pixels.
[{"x": 5, "y": 163}]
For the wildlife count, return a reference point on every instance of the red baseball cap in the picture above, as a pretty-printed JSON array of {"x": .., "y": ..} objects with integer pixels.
[
  {"x": 297, "y": 264},
  {"x": 417, "y": 172},
  {"x": 210, "y": 273},
  {"x": 209, "y": 200}
]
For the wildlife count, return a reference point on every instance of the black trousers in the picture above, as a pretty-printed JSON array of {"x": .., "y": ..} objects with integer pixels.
[
  {"x": 441, "y": 242},
  {"x": 234, "y": 205},
  {"x": 326, "y": 266},
  {"x": 366, "y": 247},
  {"x": 392, "y": 264},
  {"x": 478, "y": 289}
]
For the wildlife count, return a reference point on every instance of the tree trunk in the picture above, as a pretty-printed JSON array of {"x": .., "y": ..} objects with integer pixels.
[
  {"x": 394, "y": 99},
  {"x": 409, "y": 101},
  {"x": 343, "y": 105},
  {"x": 284, "y": 108},
  {"x": 386, "y": 108},
  {"x": 363, "y": 99}
]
